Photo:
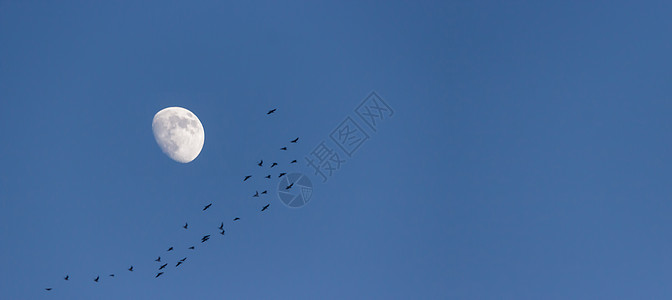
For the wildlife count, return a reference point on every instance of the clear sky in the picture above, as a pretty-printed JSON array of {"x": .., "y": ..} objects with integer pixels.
[{"x": 528, "y": 156}]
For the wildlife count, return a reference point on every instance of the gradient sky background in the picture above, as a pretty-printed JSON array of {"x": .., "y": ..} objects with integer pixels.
[{"x": 528, "y": 156}]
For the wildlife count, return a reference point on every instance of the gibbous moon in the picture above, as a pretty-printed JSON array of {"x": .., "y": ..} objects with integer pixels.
[{"x": 179, "y": 133}]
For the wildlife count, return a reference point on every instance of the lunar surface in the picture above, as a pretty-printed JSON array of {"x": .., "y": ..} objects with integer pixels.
[{"x": 179, "y": 133}]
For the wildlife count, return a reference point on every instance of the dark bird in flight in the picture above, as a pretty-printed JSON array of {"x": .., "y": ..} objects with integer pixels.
[
  {"x": 207, "y": 206},
  {"x": 170, "y": 249},
  {"x": 293, "y": 162},
  {"x": 111, "y": 275},
  {"x": 178, "y": 264},
  {"x": 289, "y": 186},
  {"x": 282, "y": 174},
  {"x": 247, "y": 177},
  {"x": 205, "y": 238},
  {"x": 221, "y": 226},
  {"x": 158, "y": 259},
  {"x": 261, "y": 163},
  {"x": 162, "y": 266},
  {"x": 265, "y": 207},
  {"x": 96, "y": 280},
  {"x": 256, "y": 194},
  {"x": 222, "y": 233},
  {"x": 283, "y": 148},
  {"x": 271, "y": 111},
  {"x": 131, "y": 269},
  {"x": 268, "y": 176},
  {"x": 274, "y": 164},
  {"x": 294, "y": 140},
  {"x": 186, "y": 225},
  {"x": 67, "y": 277},
  {"x": 192, "y": 247},
  {"x": 182, "y": 260},
  {"x": 48, "y": 289},
  {"x": 236, "y": 219},
  {"x": 157, "y": 275},
  {"x": 264, "y": 192}
]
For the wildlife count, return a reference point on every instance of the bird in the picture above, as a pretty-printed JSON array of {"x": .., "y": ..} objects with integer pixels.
[
  {"x": 183, "y": 259},
  {"x": 186, "y": 225},
  {"x": 289, "y": 186},
  {"x": 260, "y": 163},
  {"x": 293, "y": 162},
  {"x": 283, "y": 148},
  {"x": 131, "y": 269},
  {"x": 294, "y": 140},
  {"x": 111, "y": 275},
  {"x": 282, "y": 174},
  {"x": 268, "y": 176},
  {"x": 207, "y": 206},
  {"x": 170, "y": 249},
  {"x": 48, "y": 289},
  {"x": 96, "y": 280},
  {"x": 236, "y": 219},
  {"x": 271, "y": 111},
  {"x": 247, "y": 177},
  {"x": 192, "y": 247},
  {"x": 157, "y": 275},
  {"x": 158, "y": 259},
  {"x": 178, "y": 264},
  {"x": 221, "y": 226},
  {"x": 222, "y": 233},
  {"x": 264, "y": 192},
  {"x": 256, "y": 194},
  {"x": 67, "y": 277},
  {"x": 205, "y": 238},
  {"x": 162, "y": 266},
  {"x": 274, "y": 164},
  {"x": 265, "y": 207}
]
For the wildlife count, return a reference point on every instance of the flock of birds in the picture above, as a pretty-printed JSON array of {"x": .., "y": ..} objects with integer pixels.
[{"x": 162, "y": 268}]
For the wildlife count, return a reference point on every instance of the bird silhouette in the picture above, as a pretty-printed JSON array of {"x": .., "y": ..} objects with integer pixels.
[
  {"x": 268, "y": 176},
  {"x": 96, "y": 280},
  {"x": 236, "y": 219},
  {"x": 247, "y": 177},
  {"x": 282, "y": 174},
  {"x": 158, "y": 259},
  {"x": 162, "y": 266},
  {"x": 222, "y": 233},
  {"x": 283, "y": 148},
  {"x": 271, "y": 111},
  {"x": 289, "y": 186},
  {"x": 192, "y": 247},
  {"x": 264, "y": 192},
  {"x": 183, "y": 259},
  {"x": 111, "y": 275},
  {"x": 260, "y": 163},
  {"x": 170, "y": 249},
  {"x": 256, "y": 194},
  {"x": 48, "y": 289},
  {"x": 265, "y": 207},
  {"x": 131, "y": 269},
  {"x": 293, "y": 162},
  {"x": 67, "y": 277},
  {"x": 274, "y": 164},
  {"x": 186, "y": 225},
  {"x": 207, "y": 206},
  {"x": 178, "y": 264},
  {"x": 157, "y": 275},
  {"x": 205, "y": 238},
  {"x": 221, "y": 226},
  {"x": 294, "y": 140}
]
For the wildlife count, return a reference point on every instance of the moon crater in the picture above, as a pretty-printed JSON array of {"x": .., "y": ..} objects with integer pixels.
[{"x": 179, "y": 133}]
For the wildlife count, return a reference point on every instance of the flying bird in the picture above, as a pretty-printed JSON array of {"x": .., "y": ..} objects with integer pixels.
[
  {"x": 178, "y": 264},
  {"x": 183, "y": 259},
  {"x": 186, "y": 225},
  {"x": 282, "y": 174},
  {"x": 271, "y": 111},
  {"x": 268, "y": 176},
  {"x": 170, "y": 249},
  {"x": 48, "y": 289},
  {"x": 289, "y": 186},
  {"x": 192, "y": 247},
  {"x": 293, "y": 162},
  {"x": 162, "y": 266},
  {"x": 67, "y": 277},
  {"x": 157, "y": 275},
  {"x": 158, "y": 259},
  {"x": 265, "y": 207},
  {"x": 247, "y": 177},
  {"x": 294, "y": 140},
  {"x": 264, "y": 192},
  {"x": 274, "y": 164},
  {"x": 207, "y": 206},
  {"x": 96, "y": 280},
  {"x": 283, "y": 148},
  {"x": 221, "y": 226},
  {"x": 111, "y": 275},
  {"x": 205, "y": 238},
  {"x": 236, "y": 219},
  {"x": 256, "y": 194},
  {"x": 131, "y": 269},
  {"x": 222, "y": 233},
  {"x": 260, "y": 163}
]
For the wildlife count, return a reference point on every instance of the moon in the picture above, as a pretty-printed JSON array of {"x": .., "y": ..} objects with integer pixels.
[{"x": 179, "y": 133}]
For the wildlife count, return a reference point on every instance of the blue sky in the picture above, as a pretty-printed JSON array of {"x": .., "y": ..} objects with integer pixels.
[{"x": 528, "y": 155}]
